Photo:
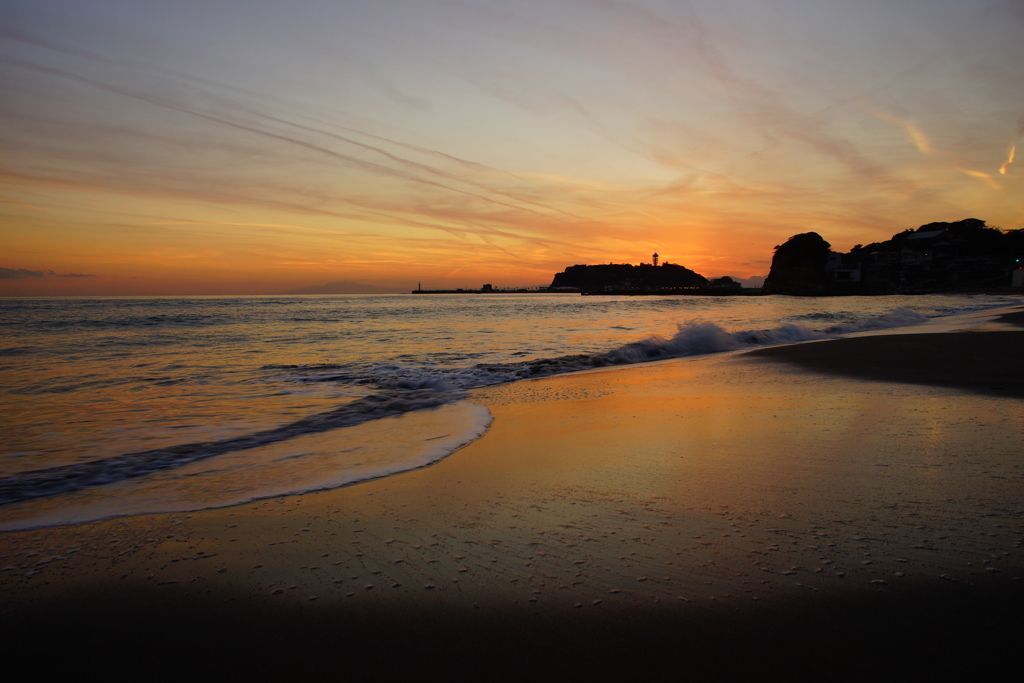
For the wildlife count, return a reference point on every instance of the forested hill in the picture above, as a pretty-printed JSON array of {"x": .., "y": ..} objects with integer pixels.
[
  {"x": 627, "y": 276},
  {"x": 936, "y": 257}
]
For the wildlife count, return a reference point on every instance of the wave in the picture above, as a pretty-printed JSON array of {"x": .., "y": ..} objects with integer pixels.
[
  {"x": 68, "y": 478},
  {"x": 899, "y": 317},
  {"x": 693, "y": 338},
  {"x": 402, "y": 388},
  {"x": 17, "y": 351}
]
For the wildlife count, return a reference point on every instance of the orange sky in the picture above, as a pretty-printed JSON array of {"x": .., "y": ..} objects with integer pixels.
[{"x": 199, "y": 149}]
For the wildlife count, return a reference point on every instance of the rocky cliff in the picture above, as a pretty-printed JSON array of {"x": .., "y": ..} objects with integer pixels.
[{"x": 798, "y": 266}]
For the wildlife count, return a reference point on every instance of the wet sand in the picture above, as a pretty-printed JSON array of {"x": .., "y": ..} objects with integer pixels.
[{"x": 836, "y": 509}]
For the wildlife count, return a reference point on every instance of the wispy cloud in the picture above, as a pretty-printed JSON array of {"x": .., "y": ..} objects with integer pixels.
[
  {"x": 1009, "y": 157},
  {"x": 520, "y": 137},
  {"x": 19, "y": 273},
  {"x": 982, "y": 176},
  {"x": 914, "y": 134},
  {"x": 22, "y": 274}
]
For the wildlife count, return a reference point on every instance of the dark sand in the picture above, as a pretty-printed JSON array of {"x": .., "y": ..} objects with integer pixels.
[
  {"x": 1013, "y": 317},
  {"x": 818, "y": 510},
  {"x": 985, "y": 362}
]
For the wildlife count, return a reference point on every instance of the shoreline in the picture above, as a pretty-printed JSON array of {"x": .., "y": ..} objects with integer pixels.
[{"x": 720, "y": 514}]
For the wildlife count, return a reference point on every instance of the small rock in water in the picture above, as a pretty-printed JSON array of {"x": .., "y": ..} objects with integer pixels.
[
  {"x": 368, "y": 586},
  {"x": 880, "y": 582},
  {"x": 429, "y": 586},
  {"x": 596, "y": 602}
]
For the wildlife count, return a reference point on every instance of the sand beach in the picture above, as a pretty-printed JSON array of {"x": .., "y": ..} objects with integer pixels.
[{"x": 843, "y": 509}]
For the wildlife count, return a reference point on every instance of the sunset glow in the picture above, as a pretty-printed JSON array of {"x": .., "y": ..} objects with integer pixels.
[{"x": 232, "y": 148}]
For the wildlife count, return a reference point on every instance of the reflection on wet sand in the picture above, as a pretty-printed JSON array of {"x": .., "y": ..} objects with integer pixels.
[{"x": 683, "y": 509}]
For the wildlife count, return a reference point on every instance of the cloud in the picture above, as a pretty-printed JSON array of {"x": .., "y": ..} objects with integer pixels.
[
  {"x": 1009, "y": 158},
  {"x": 980, "y": 175},
  {"x": 520, "y": 137},
  {"x": 914, "y": 134},
  {"x": 19, "y": 273},
  {"x": 22, "y": 274}
]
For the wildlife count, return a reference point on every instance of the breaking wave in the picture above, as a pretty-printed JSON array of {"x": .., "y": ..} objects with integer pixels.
[{"x": 694, "y": 338}]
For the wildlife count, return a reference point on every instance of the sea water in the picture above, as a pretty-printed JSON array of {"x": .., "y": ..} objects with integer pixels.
[{"x": 116, "y": 406}]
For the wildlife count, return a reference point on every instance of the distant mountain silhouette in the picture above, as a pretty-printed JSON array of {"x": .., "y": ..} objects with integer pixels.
[{"x": 345, "y": 287}]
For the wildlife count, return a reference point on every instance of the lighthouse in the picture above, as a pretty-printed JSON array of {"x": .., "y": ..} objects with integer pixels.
[{"x": 655, "y": 259}]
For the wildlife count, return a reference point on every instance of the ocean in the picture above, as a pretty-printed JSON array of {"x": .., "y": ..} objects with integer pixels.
[{"x": 117, "y": 406}]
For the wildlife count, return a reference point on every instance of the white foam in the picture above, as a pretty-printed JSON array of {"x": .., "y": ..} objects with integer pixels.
[
  {"x": 960, "y": 322},
  {"x": 312, "y": 462}
]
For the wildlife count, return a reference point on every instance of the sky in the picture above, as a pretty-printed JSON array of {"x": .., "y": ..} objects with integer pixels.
[{"x": 229, "y": 147}]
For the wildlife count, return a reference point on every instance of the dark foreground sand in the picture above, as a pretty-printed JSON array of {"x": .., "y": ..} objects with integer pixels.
[{"x": 844, "y": 510}]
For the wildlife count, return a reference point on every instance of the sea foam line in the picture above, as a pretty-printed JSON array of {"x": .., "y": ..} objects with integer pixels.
[
  {"x": 693, "y": 338},
  {"x": 68, "y": 478}
]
